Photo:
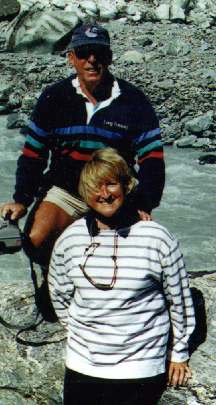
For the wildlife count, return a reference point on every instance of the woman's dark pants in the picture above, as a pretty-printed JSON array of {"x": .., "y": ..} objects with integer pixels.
[{"x": 80, "y": 389}]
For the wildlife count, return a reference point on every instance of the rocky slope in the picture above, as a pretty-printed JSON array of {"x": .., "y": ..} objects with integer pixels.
[{"x": 172, "y": 61}]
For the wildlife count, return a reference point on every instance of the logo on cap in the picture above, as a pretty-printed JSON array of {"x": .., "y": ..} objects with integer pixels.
[{"x": 92, "y": 32}]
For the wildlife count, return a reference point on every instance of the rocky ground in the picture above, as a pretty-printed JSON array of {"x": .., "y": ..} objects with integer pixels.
[
  {"x": 173, "y": 61},
  {"x": 32, "y": 368}
]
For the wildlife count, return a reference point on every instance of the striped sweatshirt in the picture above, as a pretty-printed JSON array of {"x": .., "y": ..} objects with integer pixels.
[
  {"x": 61, "y": 137},
  {"x": 122, "y": 332}
]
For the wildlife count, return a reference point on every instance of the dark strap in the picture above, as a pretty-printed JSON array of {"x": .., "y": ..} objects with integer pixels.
[{"x": 32, "y": 326}]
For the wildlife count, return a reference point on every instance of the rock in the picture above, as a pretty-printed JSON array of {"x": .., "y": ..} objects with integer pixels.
[
  {"x": 6, "y": 88},
  {"x": 186, "y": 141},
  {"x": 4, "y": 109},
  {"x": 27, "y": 371},
  {"x": 40, "y": 30},
  {"x": 177, "y": 13},
  {"x": 162, "y": 12},
  {"x": 209, "y": 74},
  {"x": 28, "y": 102},
  {"x": 59, "y": 4},
  {"x": 90, "y": 7},
  {"x": 144, "y": 41},
  {"x": 178, "y": 9},
  {"x": 200, "y": 124},
  {"x": 108, "y": 12},
  {"x": 201, "y": 143},
  {"x": 177, "y": 47},
  {"x": 17, "y": 120},
  {"x": 211, "y": 147},
  {"x": 14, "y": 101},
  {"x": 132, "y": 9},
  {"x": 202, "y": 14},
  {"x": 166, "y": 84},
  {"x": 207, "y": 159},
  {"x": 133, "y": 57},
  {"x": 9, "y": 9}
]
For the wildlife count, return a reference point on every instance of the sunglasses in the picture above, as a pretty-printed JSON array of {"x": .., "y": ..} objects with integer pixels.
[
  {"x": 89, "y": 252},
  {"x": 101, "y": 53}
]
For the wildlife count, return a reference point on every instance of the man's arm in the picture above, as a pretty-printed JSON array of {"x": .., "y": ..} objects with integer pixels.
[
  {"x": 177, "y": 293},
  {"x": 148, "y": 148},
  {"x": 33, "y": 161}
]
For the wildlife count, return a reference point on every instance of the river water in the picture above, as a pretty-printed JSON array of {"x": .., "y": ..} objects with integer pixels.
[{"x": 187, "y": 208}]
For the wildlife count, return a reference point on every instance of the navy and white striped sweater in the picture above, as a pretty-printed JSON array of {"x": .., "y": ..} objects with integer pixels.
[
  {"x": 123, "y": 332},
  {"x": 59, "y": 129}
]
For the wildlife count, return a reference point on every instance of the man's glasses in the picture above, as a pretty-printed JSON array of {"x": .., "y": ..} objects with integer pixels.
[
  {"x": 89, "y": 251},
  {"x": 101, "y": 53}
]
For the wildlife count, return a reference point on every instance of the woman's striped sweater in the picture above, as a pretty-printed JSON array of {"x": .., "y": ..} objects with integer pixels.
[{"x": 123, "y": 332}]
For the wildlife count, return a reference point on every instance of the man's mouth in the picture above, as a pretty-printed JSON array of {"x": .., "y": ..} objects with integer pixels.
[{"x": 93, "y": 69}]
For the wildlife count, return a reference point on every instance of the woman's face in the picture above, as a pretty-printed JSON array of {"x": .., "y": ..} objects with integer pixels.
[{"x": 107, "y": 199}]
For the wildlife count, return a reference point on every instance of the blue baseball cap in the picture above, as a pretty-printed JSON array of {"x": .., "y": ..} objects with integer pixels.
[{"x": 89, "y": 34}]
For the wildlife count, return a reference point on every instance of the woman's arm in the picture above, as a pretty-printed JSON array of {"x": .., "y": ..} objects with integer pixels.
[
  {"x": 61, "y": 287},
  {"x": 177, "y": 293}
]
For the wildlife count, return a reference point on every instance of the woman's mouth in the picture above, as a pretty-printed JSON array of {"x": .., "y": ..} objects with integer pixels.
[{"x": 108, "y": 200}]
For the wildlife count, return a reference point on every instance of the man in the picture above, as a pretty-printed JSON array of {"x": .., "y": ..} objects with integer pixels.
[{"x": 74, "y": 117}]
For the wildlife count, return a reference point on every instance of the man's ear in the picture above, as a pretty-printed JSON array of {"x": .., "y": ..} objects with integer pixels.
[
  {"x": 110, "y": 56},
  {"x": 71, "y": 58}
]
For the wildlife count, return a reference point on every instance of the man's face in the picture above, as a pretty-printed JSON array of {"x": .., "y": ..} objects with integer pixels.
[{"x": 90, "y": 62}]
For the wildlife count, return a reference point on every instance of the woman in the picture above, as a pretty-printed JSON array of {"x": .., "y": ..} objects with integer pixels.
[{"x": 122, "y": 293}]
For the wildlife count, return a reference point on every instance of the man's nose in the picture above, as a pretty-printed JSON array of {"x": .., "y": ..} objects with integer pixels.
[
  {"x": 92, "y": 58},
  {"x": 104, "y": 191}
]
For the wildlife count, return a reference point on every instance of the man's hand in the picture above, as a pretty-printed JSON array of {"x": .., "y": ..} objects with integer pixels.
[
  {"x": 144, "y": 216},
  {"x": 178, "y": 373},
  {"x": 13, "y": 210}
]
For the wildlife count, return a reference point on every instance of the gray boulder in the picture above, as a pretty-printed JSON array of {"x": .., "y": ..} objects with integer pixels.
[
  {"x": 162, "y": 12},
  {"x": 207, "y": 159},
  {"x": 90, "y": 7},
  {"x": 38, "y": 30},
  {"x": 9, "y": 9},
  {"x": 200, "y": 124},
  {"x": 133, "y": 57},
  {"x": 186, "y": 141}
]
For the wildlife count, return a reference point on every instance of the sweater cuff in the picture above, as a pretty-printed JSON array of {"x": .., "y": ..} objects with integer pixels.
[{"x": 177, "y": 357}]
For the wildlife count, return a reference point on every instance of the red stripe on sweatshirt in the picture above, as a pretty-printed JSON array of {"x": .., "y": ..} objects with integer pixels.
[{"x": 157, "y": 155}]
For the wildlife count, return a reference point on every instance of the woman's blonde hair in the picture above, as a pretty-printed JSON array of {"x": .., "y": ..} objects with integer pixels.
[{"x": 105, "y": 165}]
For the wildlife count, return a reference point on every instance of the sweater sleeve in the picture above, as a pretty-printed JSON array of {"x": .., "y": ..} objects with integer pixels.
[
  {"x": 148, "y": 148},
  {"x": 34, "y": 159},
  {"x": 61, "y": 287},
  {"x": 181, "y": 310}
]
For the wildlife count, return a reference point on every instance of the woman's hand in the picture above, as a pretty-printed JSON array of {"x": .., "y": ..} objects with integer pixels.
[
  {"x": 144, "y": 216},
  {"x": 178, "y": 373}
]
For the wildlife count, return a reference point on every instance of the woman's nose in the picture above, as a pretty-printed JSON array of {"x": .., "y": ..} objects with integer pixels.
[{"x": 104, "y": 191}]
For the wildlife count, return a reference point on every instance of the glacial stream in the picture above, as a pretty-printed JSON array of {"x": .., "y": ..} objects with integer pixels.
[{"x": 187, "y": 208}]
